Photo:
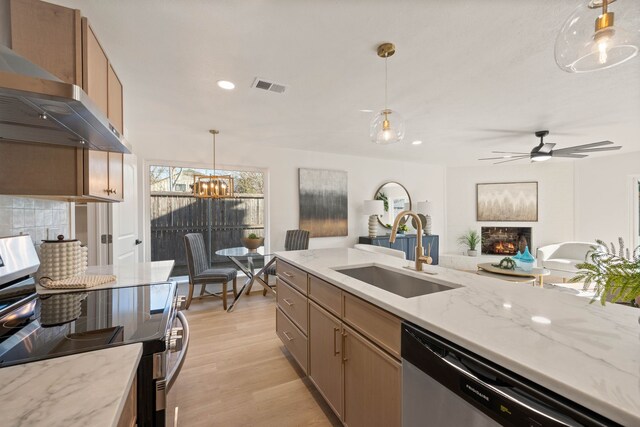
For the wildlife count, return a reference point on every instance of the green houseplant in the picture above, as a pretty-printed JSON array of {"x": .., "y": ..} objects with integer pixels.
[
  {"x": 470, "y": 240},
  {"x": 616, "y": 276}
]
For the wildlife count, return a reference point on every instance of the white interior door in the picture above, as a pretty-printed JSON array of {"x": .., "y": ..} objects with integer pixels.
[{"x": 125, "y": 246}]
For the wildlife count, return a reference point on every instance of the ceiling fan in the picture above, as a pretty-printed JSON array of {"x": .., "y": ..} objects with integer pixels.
[{"x": 544, "y": 151}]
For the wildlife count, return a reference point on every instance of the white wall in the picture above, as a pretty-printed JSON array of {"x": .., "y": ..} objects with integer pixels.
[
  {"x": 604, "y": 198},
  {"x": 555, "y": 200},
  {"x": 365, "y": 175}
]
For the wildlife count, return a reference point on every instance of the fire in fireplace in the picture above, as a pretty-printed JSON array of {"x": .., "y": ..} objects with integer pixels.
[{"x": 505, "y": 240}]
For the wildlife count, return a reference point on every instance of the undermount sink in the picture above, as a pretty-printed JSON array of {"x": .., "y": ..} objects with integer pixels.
[{"x": 391, "y": 281}]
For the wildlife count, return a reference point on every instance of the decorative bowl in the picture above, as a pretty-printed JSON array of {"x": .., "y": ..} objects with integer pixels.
[{"x": 252, "y": 244}]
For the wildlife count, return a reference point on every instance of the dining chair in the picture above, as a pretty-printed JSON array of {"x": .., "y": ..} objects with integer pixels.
[
  {"x": 200, "y": 272},
  {"x": 294, "y": 240}
]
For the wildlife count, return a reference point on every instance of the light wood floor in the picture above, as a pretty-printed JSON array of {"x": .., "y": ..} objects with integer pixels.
[{"x": 237, "y": 373}]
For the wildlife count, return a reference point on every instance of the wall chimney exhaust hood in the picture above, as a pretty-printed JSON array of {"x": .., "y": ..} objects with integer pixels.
[{"x": 37, "y": 107}]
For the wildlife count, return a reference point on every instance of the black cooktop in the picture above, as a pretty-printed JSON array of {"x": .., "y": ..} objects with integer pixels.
[{"x": 44, "y": 326}]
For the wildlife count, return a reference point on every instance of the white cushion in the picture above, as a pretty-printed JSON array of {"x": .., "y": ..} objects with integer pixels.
[{"x": 561, "y": 264}]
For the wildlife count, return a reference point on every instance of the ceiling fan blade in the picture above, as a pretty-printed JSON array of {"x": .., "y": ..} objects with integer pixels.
[
  {"x": 511, "y": 160},
  {"x": 593, "y": 150},
  {"x": 547, "y": 147},
  {"x": 505, "y": 157},
  {"x": 570, "y": 155},
  {"x": 583, "y": 146}
]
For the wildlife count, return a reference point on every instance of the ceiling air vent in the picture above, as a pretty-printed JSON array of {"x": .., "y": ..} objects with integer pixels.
[{"x": 259, "y": 83}]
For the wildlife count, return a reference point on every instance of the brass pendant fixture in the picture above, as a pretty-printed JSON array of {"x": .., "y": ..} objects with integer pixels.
[
  {"x": 213, "y": 186},
  {"x": 387, "y": 127},
  {"x": 582, "y": 46}
]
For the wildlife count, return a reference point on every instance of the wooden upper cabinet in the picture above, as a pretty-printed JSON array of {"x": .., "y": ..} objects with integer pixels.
[
  {"x": 114, "y": 92},
  {"x": 63, "y": 43},
  {"x": 49, "y": 36},
  {"x": 116, "y": 179},
  {"x": 95, "y": 68}
]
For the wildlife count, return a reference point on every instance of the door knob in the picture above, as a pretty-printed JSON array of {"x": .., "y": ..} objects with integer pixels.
[{"x": 138, "y": 242}]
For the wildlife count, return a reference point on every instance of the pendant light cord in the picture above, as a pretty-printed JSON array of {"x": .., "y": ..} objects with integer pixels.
[
  {"x": 386, "y": 80},
  {"x": 214, "y": 153}
]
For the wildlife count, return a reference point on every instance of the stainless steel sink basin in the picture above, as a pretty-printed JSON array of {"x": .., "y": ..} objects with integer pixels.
[{"x": 394, "y": 282}]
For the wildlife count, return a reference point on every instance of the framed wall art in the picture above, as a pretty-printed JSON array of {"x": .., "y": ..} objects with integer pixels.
[
  {"x": 323, "y": 202},
  {"x": 507, "y": 201}
]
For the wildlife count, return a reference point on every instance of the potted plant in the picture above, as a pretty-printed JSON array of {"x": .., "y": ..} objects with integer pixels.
[
  {"x": 403, "y": 228},
  {"x": 470, "y": 240},
  {"x": 252, "y": 242},
  {"x": 616, "y": 276}
]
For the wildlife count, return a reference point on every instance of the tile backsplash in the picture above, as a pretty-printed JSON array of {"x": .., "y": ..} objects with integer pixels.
[{"x": 41, "y": 219}]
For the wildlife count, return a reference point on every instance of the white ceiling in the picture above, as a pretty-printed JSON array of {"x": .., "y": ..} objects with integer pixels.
[{"x": 468, "y": 76}]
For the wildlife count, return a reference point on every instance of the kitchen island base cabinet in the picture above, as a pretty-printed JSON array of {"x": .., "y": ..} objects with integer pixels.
[
  {"x": 372, "y": 384},
  {"x": 348, "y": 347},
  {"x": 325, "y": 355},
  {"x": 293, "y": 339}
]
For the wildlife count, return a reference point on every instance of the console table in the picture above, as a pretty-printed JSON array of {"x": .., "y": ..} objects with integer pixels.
[{"x": 407, "y": 244}]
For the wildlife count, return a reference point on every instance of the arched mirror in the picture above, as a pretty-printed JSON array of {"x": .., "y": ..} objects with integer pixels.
[{"x": 395, "y": 198}]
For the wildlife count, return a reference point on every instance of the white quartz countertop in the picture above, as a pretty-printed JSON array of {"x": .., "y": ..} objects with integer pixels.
[
  {"x": 86, "y": 389},
  {"x": 586, "y": 352},
  {"x": 137, "y": 274}
]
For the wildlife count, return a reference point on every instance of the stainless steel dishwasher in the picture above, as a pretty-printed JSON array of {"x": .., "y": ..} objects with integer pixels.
[{"x": 445, "y": 385}]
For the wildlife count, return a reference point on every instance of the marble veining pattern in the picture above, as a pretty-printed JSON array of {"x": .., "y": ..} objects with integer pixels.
[
  {"x": 588, "y": 353},
  {"x": 86, "y": 389},
  {"x": 141, "y": 273}
]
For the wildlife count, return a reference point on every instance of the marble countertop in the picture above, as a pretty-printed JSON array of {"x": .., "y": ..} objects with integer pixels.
[
  {"x": 137, "y": 274},
  {"x": 86, "y": 389},
  {"x": 586, "y": 352}
]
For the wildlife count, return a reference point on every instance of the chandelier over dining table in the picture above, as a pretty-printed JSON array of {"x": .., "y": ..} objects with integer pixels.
[{"x": 213, "y": 186}]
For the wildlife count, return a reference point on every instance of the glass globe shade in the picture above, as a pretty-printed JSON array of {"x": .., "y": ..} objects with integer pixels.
[
  {"x": 387, "y": 127},
  {"x": 580, "y": 48}
]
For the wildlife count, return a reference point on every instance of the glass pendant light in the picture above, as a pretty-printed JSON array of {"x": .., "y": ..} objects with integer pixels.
[
  {"x": 387, "y": 126},
  {"x": 213, "y": 186},
  {"x": 582, "y": 46}
]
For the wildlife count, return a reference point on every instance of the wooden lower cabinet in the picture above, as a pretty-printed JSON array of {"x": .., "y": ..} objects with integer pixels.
[
  {"x": 325, "y": 355},
  {"x": 372, "y": 384},
  {"x": 128, "y": 416}
]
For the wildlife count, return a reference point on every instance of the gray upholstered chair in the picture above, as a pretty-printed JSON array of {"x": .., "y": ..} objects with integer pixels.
[
  {"x": 295, "y": 240},
  {"x": 201, "y": 274}
]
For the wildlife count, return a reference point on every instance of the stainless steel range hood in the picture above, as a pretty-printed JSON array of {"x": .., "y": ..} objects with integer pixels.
[{"x": 37, "y": 107}]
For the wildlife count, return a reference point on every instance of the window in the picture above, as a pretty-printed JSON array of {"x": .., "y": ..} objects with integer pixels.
[{"x": 222, "y": 222}]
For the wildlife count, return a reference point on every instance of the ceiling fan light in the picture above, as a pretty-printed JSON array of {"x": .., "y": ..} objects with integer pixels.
[
  {"x": 540, "y": 157},
  {"x": 580, "y": 47}
]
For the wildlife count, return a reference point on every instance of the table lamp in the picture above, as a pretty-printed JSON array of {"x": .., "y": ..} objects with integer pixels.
[
  {"x": 373, "y": 208},
  {"x": 425, "y": 208}
]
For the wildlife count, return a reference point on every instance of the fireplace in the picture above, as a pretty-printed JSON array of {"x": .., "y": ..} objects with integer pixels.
[{"x": 504, "y": 240}]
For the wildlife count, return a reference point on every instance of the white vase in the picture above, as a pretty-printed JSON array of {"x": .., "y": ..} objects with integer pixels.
[{"x": 472, "y": 253}]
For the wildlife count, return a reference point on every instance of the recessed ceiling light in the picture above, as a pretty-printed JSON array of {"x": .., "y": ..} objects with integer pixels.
[
  {"x": 541, "y": 320},
  {"x": 366, "y": 111},
  {"x": 506, "y": 305},
  {"x": 225, "y": 84},
  {"x": 416, "y": 143}
]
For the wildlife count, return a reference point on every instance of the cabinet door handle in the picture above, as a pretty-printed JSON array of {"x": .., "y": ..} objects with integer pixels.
[
  {"x": 286, "y": 273},
  {"x": 288, "y": 302},
  {"x": 107, "y": 190},
  {"x": 335, "y": 344},
  {"x": 287, "y": 335},
  {"x": 113, "y": 191},
  {"x": 344, "y": 347}
]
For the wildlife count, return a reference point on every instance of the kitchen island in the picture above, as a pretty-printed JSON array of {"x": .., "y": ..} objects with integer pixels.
[
  {"x": 585, "y": 352},
  {"x": 86, "y": 389}
]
